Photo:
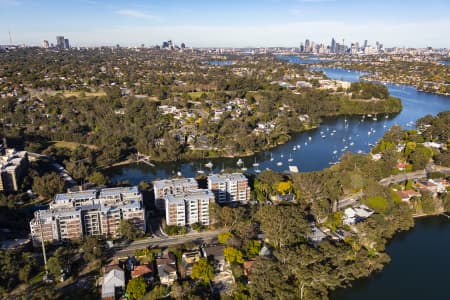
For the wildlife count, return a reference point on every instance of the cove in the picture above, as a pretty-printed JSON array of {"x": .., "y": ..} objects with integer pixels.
[
  {"x": 419, "y": 267},
  {"x": 309, "y": 151}
]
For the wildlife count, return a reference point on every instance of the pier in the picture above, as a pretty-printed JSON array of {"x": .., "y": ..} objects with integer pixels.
[
  {"x": 445, "y": 215},
  {"x": 145, "y": 159}
]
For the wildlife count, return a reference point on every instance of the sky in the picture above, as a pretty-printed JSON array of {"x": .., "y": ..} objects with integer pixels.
[{"x": 227, "y": 23}]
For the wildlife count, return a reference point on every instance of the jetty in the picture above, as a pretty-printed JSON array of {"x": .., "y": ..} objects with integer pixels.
[{"x": 144, "y": 158}]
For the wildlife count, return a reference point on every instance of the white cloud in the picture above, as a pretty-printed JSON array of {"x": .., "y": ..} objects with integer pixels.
[{"x": 136, "y": 14}]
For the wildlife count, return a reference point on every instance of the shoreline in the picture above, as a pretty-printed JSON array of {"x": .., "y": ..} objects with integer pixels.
[
  {"x": 130, "y": 161},
  {"x": 350, "y": 284}
]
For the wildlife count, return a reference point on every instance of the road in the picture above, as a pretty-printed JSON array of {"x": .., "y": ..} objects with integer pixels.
[
  {"x": 201, "y": 237},
  {"x": 403, "y": 177},
  {"x": 349, "y": 200},
  {"x": 353, "y": 199}
]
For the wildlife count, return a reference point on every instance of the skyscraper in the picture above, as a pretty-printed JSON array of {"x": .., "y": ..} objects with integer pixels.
[
  {"x": 66, "y": 44},
  {"x": 333, "y": 45},
  {"x": 45, "y": 44},
  {"x": 307, "y": 45},
  {"x": 60, "y": 42},
  {"x": 365, "y": 43}
]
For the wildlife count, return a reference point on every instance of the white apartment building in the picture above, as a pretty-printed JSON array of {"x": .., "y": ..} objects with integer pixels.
[
  {"x": 89, "y": 213},
  {"x": 189, "y": 207},
  {"x": 229, "y": 188},
  {"x": 174, "y": 186}
]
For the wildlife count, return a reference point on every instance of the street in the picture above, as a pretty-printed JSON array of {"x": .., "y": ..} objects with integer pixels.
[{"x": 197, "y": 237}]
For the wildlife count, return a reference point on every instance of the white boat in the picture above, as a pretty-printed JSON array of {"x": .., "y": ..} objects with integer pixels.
[
  {"x": 360, "y": 151},
  {"x": 290, "y": 158},
  {"x": 239, "y": 162},
  {"x": 179, "y": 174},
  {"x": 255, "y": 164},
  {"x": 257, "y": 171},
  {"x": 309, "y": 138},
  {"x": 244, "y": 169},
  {"x": 332, "y": 133},
  {"x": 374, "y": 118},
  {"x": 335, "y": 152},
  {"x": 293, "y": 169},
  {"x": 200, "y": 171},
  {"x": 279, "y": 163},
  {"x": 281, "y": 155},
  {"x": 209, "y": 165},
  {"x": 271, "y": 158},
  {"x": 351, "y": 144},
  {"x": 294, "y": 148}
]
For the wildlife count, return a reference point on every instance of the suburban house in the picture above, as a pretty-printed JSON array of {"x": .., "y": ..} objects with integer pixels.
[
  {"x": 433, "y": 186},
  {"x": 406, "y": 195},
  {"x": 353, "y": 215},
  {"x": 144, "y": 271},
  {"x": 188, "y": 259},
  {"x": 167, "y": 269},
  {"x": 216, "y": 254},
  {"x": 113, "y": 285}
]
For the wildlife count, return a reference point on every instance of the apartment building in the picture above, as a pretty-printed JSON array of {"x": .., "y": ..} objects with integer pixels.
[
  {"x": 13, "y": 165},
  {"x": 89, "y": 213},
  {"x": 188, "y": 208},
  {"x": 174, "y": 186},
  {"x": 230, "y": 187}
]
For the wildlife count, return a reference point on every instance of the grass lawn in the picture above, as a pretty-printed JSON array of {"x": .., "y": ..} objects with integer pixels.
[
  {"x": 70, "y": 145},
  {"x": 196, "y": 95},
  {"x": 87, "y": 94}
]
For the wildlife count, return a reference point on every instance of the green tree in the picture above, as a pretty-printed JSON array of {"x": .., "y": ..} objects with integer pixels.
[
  {"x": 378, "y": 203},
  {"x": 203, "y": 270},
  {"x": 223, "y": 237},
  {"x": 48, "y": 185},
  {"x": 136, "y": 288},
  {"x": 252, "y": 248},
  {"x": 233, "y": 255},
  {"x": 128, "y": 230},
  {"x": 54, "y": 267},
  {"x": 98, "y": 178},
  {"x": 92, "y": 248}
]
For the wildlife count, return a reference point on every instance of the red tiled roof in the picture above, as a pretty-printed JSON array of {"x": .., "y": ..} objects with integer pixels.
[{"x": 140, "y": 270}]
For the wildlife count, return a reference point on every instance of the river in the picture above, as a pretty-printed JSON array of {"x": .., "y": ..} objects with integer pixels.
[
  {"x": 309, "y": 151},
  {"x": 420, "y": 266}
]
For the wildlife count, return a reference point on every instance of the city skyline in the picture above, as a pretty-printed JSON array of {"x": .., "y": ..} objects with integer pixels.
[{"x": 283, "y": 23}]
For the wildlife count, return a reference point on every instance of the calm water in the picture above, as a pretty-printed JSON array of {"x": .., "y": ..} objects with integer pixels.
[
  {"x": 447, "y": 63},
  {"x": 309, "y": 151},
  {"x": 420, "y": 266}
]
